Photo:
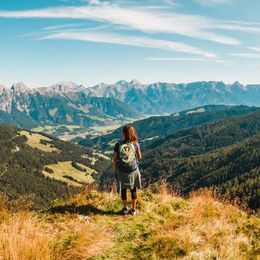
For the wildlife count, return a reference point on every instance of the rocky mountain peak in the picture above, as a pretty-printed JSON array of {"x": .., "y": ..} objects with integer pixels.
[
  {"x": 62, "y": 87},
  {"x": 135, "y": 82},
  {"x": 2, "y": 88},
  {"x": 127, "y": 84},
  {"x": 237, "y": 85},
  {"x": 121, "y": 83},
  {"x": 19, "y": 87}
]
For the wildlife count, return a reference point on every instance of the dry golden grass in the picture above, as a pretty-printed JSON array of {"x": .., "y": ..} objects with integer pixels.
[
  {"x": 93, "y": 160},
  {"x": 90, "y": 242},
  {"x": 26, "y": 236},
  {"x": 166, "y": 227},
  {"x": 100, "y": 155},
  {"x": 34, "y": 140},
  {"x": 23, "y": 237},
  {"x": 206, "y": 229}
]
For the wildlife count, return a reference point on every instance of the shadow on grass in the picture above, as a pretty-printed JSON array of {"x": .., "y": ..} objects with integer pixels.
[{"x": 82, "y": 210}]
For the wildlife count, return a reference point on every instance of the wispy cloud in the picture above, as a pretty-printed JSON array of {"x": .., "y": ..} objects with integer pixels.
[
  {"x": 110, "y": 20},
  {"x": 62, "y": 26},
  {"x": 239, "y": 27},
  {"x": 130, "y": 41},
  {"x": 170, "y": 2},
  {"x": 257, "y": 49},
  {"x": 186, "y": 59},
  {"x": 245, "y": 55},
  {"x": 213, "y": 2},
  {"x": 137, "y": 18}
]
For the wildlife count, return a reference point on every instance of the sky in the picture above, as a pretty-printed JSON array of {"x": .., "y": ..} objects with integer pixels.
[{"x": 91, "y": 41}]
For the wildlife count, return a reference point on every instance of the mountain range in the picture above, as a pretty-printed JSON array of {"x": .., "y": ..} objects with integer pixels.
[
  {"x": 67, "y": 103},
  {"x": 61, "y": 104},
  {"x": 161, "y": 98}
]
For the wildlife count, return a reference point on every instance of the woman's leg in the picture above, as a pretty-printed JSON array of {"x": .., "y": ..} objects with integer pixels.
[
  {"x": 134, "y": 197},
  {"x": 124, "y": 197}
]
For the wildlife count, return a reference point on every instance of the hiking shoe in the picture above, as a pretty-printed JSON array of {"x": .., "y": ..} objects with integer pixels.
[
  {"x": 133, "y": 212},
  {"x": 125, "y": 211}
]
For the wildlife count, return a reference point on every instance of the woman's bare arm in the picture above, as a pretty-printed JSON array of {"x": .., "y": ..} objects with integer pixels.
[
  {"x": 115, "y": 158},
  {"x": 139, "y": 154}
]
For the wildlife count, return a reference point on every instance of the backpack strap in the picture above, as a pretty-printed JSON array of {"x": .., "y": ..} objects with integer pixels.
[{"x": 120, "y": 142}]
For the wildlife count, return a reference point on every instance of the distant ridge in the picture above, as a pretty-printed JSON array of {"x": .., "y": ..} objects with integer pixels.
[
  {"x": 67, "y": 103},
  {"x": 154, "y": 127}
]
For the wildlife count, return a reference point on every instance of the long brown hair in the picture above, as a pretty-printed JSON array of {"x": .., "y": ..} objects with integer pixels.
[{"x": 130, "y": 134}]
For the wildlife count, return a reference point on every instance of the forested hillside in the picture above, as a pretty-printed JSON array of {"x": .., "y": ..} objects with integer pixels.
[
  {"x": 160, "y": 126},
  {"x": 225, "y": 155},
  {"x": 47, "y": 168}
]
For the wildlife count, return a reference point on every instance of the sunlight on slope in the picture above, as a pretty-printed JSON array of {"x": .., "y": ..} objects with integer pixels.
[
  {"x": 34, "y": 140},
  {"x": 65, "y": 172},
  {"x": 100, "y": 155},
  {"x": 93, "y": 160},
  {"x": 199, "y": 110}
]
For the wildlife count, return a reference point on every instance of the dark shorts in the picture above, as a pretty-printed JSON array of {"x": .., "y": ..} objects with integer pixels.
[{"x": 128, "y": 180}]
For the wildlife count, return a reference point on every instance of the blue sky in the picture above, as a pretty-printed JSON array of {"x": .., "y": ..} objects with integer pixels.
[{"x": 46, "y": 41}]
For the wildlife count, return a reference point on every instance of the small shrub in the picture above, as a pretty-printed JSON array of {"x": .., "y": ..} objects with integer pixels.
[
  {"x": 164, "y": 210},
  {"x": 69, "y": 241},
  {"x": 162, "y": 247},
  {"x": 49, "y": 170}
]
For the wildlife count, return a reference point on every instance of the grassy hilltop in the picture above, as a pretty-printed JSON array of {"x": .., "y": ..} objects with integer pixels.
[{"x": 88, "y": 226}]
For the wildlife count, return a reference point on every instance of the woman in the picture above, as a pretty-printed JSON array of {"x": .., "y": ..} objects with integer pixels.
[{"x": 125, "y": 164}]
